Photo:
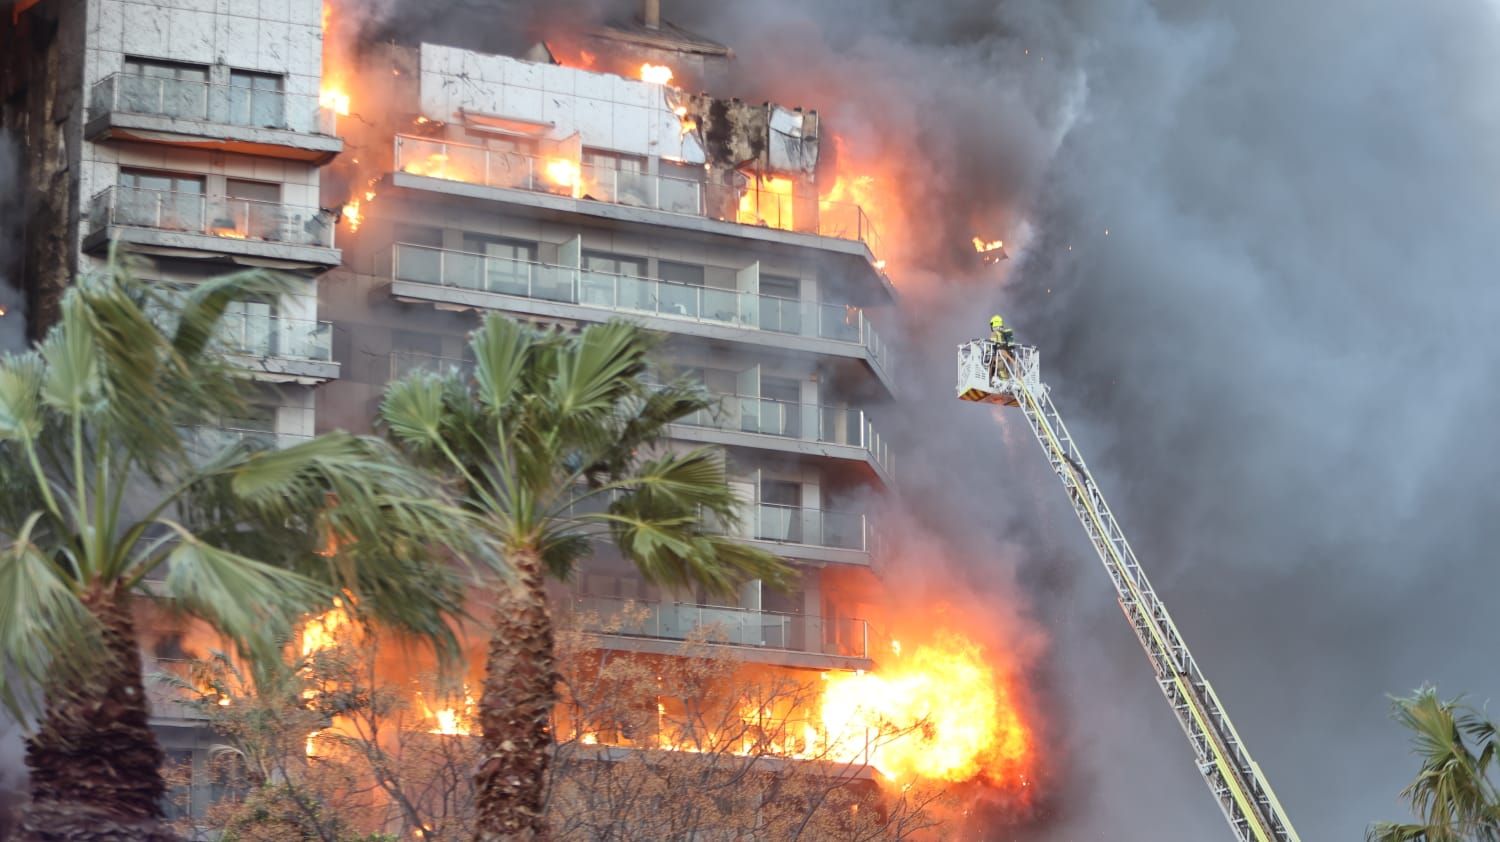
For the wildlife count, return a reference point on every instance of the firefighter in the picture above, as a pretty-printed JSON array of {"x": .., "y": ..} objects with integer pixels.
[{"x": 1002, "y": 336}]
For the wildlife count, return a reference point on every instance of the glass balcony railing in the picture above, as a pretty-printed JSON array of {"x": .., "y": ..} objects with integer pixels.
[
  {"x": 813, "y": 527},
  {"x": 215, "y": 216},
  {"x": 406, "y": 362},
  {"x": 808, "y": 422},
  {"x": 258, "y": 335},
  {"x": 626, "y": 294},
  {"x": 231, "y": 105},
  {"x": 749, "y": 204},
  {"x": 843, "y": 637}
]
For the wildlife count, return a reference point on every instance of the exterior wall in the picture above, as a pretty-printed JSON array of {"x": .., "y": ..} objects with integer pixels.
[
  {"x": 604, "y": 110},
  {"x": 813, "y": 627},
  {"x": 281, "y": 37}
]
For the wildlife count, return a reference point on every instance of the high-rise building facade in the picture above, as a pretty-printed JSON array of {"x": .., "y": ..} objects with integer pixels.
[{"x": 191, "y": 133}]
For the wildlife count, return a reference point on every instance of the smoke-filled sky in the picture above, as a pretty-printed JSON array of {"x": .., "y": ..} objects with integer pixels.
[
  {"x": 1281, "y": 357},
  {"x": 1257, "y": 244}
]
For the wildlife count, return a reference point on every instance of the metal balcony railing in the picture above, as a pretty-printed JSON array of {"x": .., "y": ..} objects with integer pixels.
[
  {"x": 215, "y": 216},
  {"x": 749, "y": 204},
  {"x": 808, "y": 422},
  {"x": 273, "y": 336},
  {"x": 813, "y": 527},
  {"x": 231, "y": 105},
  {"x": 843, "y": 636},
  {"x": 627, "y": 294}
]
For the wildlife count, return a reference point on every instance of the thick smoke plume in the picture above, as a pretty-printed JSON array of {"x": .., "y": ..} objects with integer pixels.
[{"x": 1255, "y": 242}]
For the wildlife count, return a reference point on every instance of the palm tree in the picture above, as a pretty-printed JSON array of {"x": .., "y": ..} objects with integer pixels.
[
  {"x": 557, "y": 442},
  {"x": 106, "y": 492},
  {"x": 1453, "y": 796}
]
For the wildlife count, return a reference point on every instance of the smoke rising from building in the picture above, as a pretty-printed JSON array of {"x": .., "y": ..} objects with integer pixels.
[{"x": 1259, "y": 276}]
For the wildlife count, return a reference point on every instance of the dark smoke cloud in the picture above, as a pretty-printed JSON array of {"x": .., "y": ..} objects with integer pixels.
[
  {"x": 1257, "y": 244},
  {"x": 1281, "y": 356}
]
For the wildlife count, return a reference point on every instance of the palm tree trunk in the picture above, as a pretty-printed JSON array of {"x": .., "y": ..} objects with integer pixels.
[
  {"x": 94, "y": 761},
  {"x": 520, "y": 690}
]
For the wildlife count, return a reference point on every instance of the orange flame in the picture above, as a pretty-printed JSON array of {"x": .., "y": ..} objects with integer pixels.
[
  {"x": 981, "y": 245},
  {"x": 323, "y": 632},
  {"x": 563, "y": 172},
  {"x": 768, "y": 201},
  {"x": 451, "y": 721},
  {"x": 231, "y": 233},
  {"x": 656, "y": 74},
  {"x": 944, "y": 711}
]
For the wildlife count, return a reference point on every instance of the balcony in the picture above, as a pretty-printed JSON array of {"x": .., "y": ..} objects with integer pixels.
[
  {"x": 200, "y": 115},
  {"x": 807, "y": 429},
  {"x": 812, "y": 527},
  {"x": 566, "y": 184},
  {"x": 286, "y": 349},
  {"x": 406, "y": 362},
  {"x": 450, "y": 277},
  {"x": 788, "y": 639},
  {"x": 211, "y": 225}
]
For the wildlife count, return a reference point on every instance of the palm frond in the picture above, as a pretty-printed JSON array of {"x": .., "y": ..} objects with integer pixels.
[
  {"x": 21, "y": 377},
  {"x": 249, "y": 601},
  {"x": 502, "y": 348},
  {"x": 40, "y": 616}
]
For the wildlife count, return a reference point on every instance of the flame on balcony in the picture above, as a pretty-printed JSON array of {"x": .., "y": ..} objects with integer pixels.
[
  {"x": 230, "y": 232},
  {"x": 656, "y": 74},
  {"x": 767, "y": 201},
  {"x": 564, "y": 173}
]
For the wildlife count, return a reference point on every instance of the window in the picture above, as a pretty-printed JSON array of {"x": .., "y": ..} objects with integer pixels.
[
  {"x": 252, "y": 209},
  {"x": 496, "y": 264},
  {"x": 780, "y": 406},
  {"x": 149, "y": 199},
  {"x": 680, "y": 188},
  {"x": 780, "y": 511},
  {"x": 682, "y": 295},
  {"x": 169, "y": 88},
  {"x": 614, "y": 264},
  {"x": 255, "y": 99},
  {"x": 615, "y": 177},
  {"x": 419, "y": 255},
  {"x": 780, "y": 307},
  {"x": 610, "y": 280}
]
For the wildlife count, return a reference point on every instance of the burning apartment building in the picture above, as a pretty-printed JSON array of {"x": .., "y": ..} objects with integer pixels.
[{"x": 414, "y": 187}]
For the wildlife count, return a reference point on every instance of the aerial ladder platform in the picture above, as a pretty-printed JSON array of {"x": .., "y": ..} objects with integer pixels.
[{"x": 1010, "y": 376}]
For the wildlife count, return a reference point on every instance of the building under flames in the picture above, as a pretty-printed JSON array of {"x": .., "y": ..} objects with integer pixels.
[{"x": 417, "y": 187}]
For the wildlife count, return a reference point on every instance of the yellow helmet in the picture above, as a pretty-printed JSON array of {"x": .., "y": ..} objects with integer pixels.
[{"x": 997, "y": 322}]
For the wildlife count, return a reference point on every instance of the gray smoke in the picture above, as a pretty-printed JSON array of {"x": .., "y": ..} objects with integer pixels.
[
  {"x": 1280, "y": 357},
  {"x": 1255, "y": 246},
  {"x": 12, "y": 304}
]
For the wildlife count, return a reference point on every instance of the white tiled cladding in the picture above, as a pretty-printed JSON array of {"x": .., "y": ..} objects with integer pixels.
[
  {"x": 270, "y": 36},
  {"x": 605, "y": 110}
]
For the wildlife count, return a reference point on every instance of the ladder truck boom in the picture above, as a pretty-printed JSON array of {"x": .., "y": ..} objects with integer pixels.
[{"x": 1009, "y": 376}]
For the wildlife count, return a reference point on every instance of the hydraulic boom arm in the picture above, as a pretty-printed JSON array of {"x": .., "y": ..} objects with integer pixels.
[{"x": 990, "y": 374}]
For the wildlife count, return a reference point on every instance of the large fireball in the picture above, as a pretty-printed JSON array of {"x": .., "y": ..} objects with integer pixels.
[{"x": 942, "y": 712}]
